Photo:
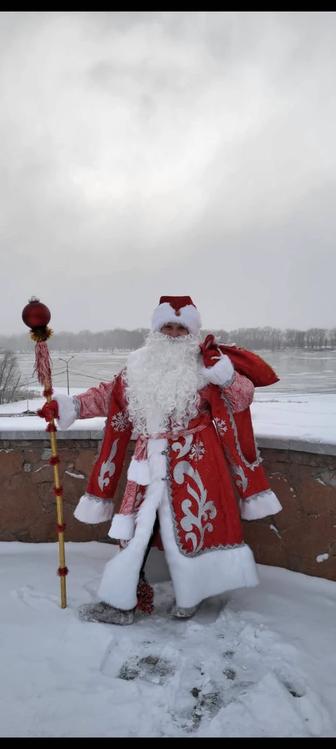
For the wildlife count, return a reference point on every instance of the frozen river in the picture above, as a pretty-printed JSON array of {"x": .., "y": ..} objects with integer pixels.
[
  {"x": 301, "y": 406},
  {"x": 299, "y": 371}
]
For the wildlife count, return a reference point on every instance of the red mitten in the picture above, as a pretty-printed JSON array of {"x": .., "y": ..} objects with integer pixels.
[{"x": 49, "y": 411}]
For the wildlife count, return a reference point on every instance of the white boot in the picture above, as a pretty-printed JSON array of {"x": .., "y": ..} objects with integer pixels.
[{"x": 103, "y": 612}]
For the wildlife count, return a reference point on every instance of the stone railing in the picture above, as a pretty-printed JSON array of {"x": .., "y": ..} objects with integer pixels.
[{"x": 303, "y": 475}]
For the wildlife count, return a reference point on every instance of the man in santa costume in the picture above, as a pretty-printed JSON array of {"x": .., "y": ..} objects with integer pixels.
[{"x": 195, "y": 472}]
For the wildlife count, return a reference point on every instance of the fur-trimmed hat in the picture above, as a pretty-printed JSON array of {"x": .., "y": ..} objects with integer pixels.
[{"x": 177, "y": 309}]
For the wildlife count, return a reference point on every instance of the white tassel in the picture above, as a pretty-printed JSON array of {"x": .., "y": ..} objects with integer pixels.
[{"x": 138, "y": 471}]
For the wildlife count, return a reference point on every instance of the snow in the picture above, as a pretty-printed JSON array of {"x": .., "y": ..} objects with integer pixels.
[
  {"x": 309, "y": 417},
  {"x": 262, "y": 665}
]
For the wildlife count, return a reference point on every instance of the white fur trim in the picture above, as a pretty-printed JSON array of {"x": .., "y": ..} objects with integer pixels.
[
  {"x": 260, "y": 505},
  {"x": 189, "y": 317},
  {"x": 122, "y": 526},
  {"x": 210, "y": 573},
  {"x": 222, "y": 373},
  {"x": 93, "y": 510},
  {"x": 138, "y": 471},
  {"x": 67, "y": 411},
  {"x": 194, "y": 578},
  {"x": 120, "y": 577}
]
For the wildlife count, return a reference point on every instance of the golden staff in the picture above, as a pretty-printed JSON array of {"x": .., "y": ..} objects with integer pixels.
[{"x": 36, "y": 316}]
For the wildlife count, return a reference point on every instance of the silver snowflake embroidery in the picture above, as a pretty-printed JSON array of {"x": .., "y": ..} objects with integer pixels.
[
  {"x": 221, "y": 425},
  {"x": 119, "y": 421},
  {"x": 197, "y": 451}
]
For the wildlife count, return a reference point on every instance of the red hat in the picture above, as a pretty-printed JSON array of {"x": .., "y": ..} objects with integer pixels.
[{"x": 178, "y": 309}]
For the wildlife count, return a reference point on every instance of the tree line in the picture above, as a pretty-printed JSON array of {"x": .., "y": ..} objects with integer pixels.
[
  {"x": 267, "y": 338},
  {"x": 272, "y": 339}
]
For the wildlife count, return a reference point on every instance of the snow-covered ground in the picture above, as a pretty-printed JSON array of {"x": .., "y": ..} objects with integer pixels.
[
  {"x": 261, "y": 665},
  {"x": 310, "y": 417}
]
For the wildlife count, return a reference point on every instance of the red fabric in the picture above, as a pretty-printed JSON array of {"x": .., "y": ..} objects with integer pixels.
[
  {"x": 246, "y": 362},
  {"x": 204, "y": 482},
  {"x": 253, "y": 367},
  {"x": 49, "y": 411},
  {"x": 210, "y": 351},
  {"x": 245, "y": 430},
  {"x": 42, "y": 363},
  {"x": 240, "y": 393},
  {"x": 96, "y": 400},
  {"x": 203, "y": 501},
  {"x": 132, "y": 499},
  {"x": 176, "y": 302},
  {"x": 203, "y": 479},
  {"x": 106, "y": 472}
]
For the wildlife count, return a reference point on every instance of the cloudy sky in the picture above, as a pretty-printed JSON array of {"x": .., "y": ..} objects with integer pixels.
[{"x": 149, "y": 153}]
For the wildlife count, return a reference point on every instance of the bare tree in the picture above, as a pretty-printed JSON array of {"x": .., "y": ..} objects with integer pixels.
[{"x": 10, "y": 378}]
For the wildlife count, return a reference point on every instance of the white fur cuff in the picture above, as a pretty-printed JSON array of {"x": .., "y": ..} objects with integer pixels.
[
  {"x": 138, "y": 471},
  {"x": 260, "y": 505},
  {"x": 93, "y": 510},
  {"x": 222, "y": 373},
  {"x": 67, "y": 411},
  {"x": 122, "y": 527}
]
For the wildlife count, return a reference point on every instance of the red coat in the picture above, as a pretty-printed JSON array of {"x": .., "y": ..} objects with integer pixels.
[
  {"x": 197, "y": 482},
  {"x": 206, "y": 471}
]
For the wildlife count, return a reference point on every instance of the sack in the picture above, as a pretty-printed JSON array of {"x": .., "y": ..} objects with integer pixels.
[{"x": 245, "y": 362}]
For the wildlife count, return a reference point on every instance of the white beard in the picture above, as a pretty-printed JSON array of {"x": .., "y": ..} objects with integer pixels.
[{"x": 162, "y": 383}]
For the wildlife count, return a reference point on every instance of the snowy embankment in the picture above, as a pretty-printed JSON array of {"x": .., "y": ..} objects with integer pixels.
[
  {"x": 307, "y": 417},
  {"x": 261, "y": 665}
]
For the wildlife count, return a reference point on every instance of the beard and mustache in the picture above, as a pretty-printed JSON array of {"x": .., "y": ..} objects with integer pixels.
[{"x": 162, "y": 383}]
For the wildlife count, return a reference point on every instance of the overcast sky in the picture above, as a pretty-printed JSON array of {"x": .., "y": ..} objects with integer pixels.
[{"x": 149, "y": 153}]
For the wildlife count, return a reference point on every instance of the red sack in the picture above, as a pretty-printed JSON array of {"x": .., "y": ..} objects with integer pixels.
[{"x": 245, "y": 362}]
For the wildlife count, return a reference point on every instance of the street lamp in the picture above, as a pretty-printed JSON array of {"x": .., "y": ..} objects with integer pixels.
[{"x": 67, "y": 368}]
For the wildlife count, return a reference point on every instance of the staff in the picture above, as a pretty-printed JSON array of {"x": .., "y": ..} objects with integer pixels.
[{"x": 36, "y": 316}]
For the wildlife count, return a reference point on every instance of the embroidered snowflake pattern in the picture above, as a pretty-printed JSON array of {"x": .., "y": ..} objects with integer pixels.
[
  {"x": 197, "y": 451},
  {"x": 120, "y": 421},
  {"x": 221, "y": 425},
  {"x": 240, "y": 393}
]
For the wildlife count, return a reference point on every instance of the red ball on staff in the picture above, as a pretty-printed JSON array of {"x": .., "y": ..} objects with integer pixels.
[{"x": 35, "y": 314}]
